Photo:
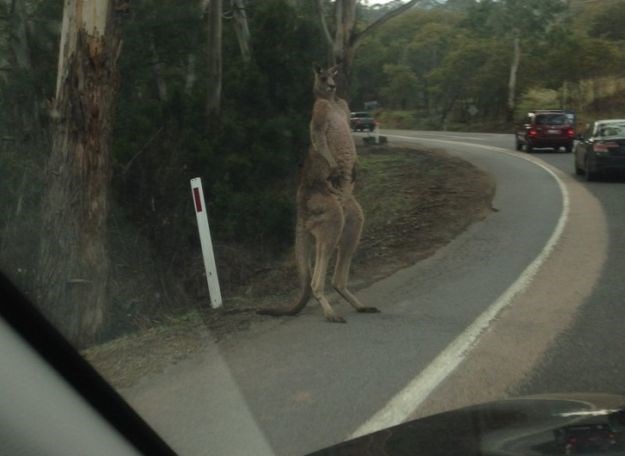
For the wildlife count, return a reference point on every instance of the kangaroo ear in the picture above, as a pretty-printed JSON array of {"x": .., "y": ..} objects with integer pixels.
[
  {"x": 317, "y": 69},
  {"x": 334, "y": 70}
]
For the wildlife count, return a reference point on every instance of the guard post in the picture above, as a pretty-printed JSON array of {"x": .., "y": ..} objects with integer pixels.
[{"x": 206, "y": 242}]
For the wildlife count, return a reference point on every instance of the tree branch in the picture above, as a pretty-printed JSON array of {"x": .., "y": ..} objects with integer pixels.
[
  {"x": 356, "y": 38},
  {"x": 324, "y": 24}
]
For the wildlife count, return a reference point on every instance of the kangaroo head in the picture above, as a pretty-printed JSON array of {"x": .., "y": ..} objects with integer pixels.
[{"x": 324, "y": 81}]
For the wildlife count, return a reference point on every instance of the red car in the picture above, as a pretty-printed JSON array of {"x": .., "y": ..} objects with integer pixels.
[{"x": 550, "y": 129}]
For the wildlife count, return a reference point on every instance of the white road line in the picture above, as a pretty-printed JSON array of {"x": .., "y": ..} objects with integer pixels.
[
  {"x": 414, "y": 394},
  {"x": 432, "y": 136}
]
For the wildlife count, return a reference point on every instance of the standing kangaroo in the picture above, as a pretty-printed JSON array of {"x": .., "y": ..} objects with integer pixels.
[{"x": 328, "y": 216}]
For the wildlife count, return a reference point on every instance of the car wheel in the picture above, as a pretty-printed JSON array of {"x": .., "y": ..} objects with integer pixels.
[
  {"x": 528, "y": 148},
  {"x": 519, "y": 146}
]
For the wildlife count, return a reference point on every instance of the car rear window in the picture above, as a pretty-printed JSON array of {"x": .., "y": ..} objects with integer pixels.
[
  {"x": 612, "y": 130},
  {"x": 361, "y": 114},
  {"x": 551, "y": 119}
]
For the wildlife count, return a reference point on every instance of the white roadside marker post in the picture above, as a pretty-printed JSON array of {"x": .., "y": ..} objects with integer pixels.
[
  {"x": 376, "y": 132},
  {"x": 206, "y": 242}
]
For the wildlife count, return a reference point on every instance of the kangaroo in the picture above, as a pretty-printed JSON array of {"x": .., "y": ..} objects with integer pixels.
[{"x": 328, "y": 216}]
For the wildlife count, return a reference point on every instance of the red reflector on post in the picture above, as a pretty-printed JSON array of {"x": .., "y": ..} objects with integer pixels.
[{"x": 198, "y": 201}]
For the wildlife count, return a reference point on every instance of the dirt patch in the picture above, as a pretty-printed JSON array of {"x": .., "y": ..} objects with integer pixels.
[{"x": 415, "y": 201}]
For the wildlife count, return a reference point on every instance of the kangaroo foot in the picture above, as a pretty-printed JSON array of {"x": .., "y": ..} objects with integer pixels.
[
  {"x": 335, "y": 319},
  {"x": 368, "y": 310}
]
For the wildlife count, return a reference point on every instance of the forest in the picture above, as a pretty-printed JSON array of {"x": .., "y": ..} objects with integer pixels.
[{"x": 102, "y": 128}]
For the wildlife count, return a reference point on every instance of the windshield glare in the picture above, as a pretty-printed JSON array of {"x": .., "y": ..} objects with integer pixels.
[{"x": 189, "y": 194}]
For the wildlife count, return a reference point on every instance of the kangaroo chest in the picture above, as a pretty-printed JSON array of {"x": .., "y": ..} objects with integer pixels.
[{"x": 339, "y": 139}]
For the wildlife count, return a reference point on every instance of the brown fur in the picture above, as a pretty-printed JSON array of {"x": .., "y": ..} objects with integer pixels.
[{"x": 328, "y": 216}]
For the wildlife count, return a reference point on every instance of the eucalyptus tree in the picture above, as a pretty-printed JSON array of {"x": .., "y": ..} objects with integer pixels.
[
  {"x": 348, "y": 34},
  {"x": 519, "y": 22},
  {"x": 73, "y": 269}
]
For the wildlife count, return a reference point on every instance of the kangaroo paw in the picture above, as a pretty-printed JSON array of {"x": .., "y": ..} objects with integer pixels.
[{"x": 335, "y": 319}]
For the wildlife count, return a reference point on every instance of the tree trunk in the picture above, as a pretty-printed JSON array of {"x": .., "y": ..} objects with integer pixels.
[
  {"x": 343, "y": 52},
  {"x": 516, "y": 58},
  {"x": 161, "y": 85},
  {"x": 212, "y": 18},
  {"x": 346, "y": 41},
  {"x": 74, "y": 265},
  {"x": 191, "y": 76},
  {"x": 241, "y": 28}
]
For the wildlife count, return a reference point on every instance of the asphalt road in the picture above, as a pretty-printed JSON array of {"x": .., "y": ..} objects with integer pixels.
[
  {"x": 526, "y": 301},
  {"x": 590, "y": 355}
]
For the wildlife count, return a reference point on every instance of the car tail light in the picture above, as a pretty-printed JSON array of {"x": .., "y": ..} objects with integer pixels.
[
  {"x": 570, "y": 133},
  {"x": 604, "y": 147},
  {"x": 532, "y": 133}
]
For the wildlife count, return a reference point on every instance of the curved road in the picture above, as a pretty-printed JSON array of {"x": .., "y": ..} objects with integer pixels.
[{"x": 506, "y": 308}]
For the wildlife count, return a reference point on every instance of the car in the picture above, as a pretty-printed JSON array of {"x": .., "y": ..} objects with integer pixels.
[
  {"x": 361, "y": 121},
  {"x": 600, "y": 148},
  {"x": 551, "y": 129},
  {"x": 589, "y": 436}
]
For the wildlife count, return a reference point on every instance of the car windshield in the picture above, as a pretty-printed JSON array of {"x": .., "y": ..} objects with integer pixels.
[{"x": 189, "y": 194}]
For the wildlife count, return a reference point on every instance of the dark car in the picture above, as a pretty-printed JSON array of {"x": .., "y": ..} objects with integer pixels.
[
  {"x": 550, "y": 129},
  {"x": 362, "y": 121},
  {"x": 586, "y": 437},
  {"x": 601, "y": 148}
]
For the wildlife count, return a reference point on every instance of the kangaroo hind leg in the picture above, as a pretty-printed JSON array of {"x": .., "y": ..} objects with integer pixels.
[
  {"x": 350, "y": 237},
  {"x": 323, "y": 252},
  {"x": 326, "y": 230}
]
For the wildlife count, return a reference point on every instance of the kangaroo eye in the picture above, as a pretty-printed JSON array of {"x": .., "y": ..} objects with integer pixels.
[{"x": 324, "y": 79}]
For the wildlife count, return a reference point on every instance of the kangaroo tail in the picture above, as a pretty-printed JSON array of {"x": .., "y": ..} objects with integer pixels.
[{"x": 303, "y": 256}]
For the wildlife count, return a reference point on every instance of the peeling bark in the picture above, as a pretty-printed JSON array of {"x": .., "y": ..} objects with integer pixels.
[{"x": 73, "y": 271}]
